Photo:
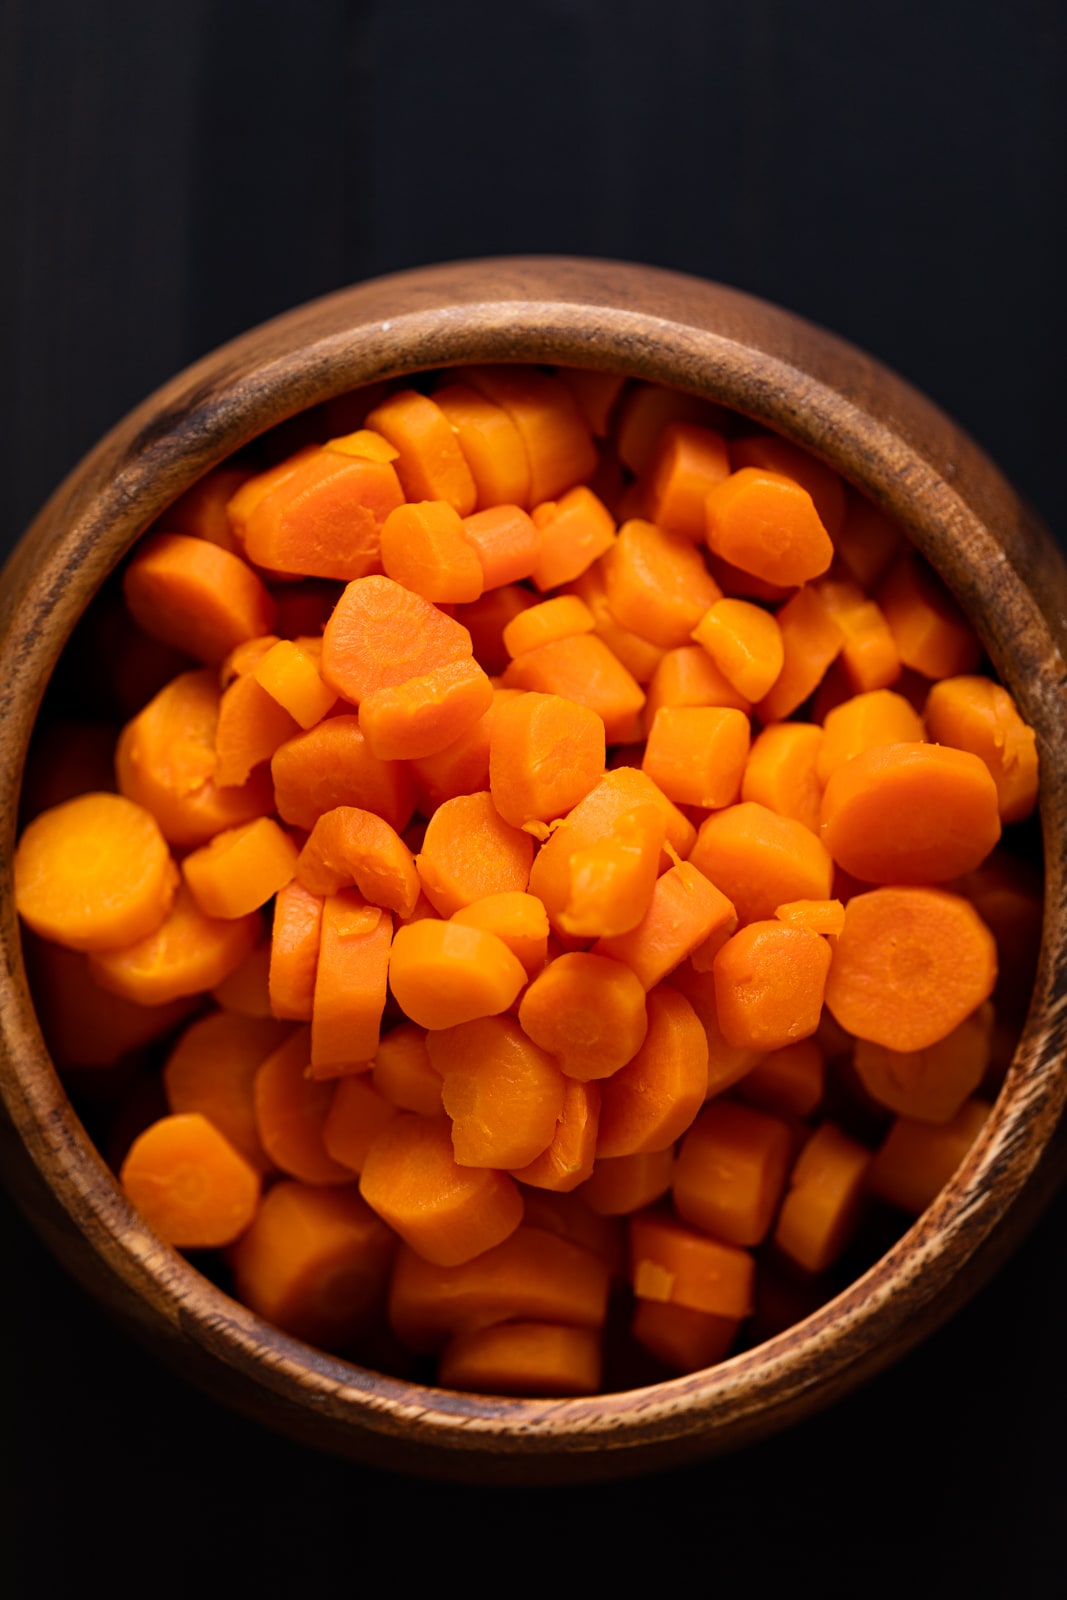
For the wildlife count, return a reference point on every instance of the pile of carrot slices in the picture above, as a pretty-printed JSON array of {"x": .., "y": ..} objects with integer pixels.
[{"x": 534, "y": 874}]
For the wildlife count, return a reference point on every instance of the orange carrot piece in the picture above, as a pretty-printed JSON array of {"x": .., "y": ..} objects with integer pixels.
[
  {"x": 575, "y": 531},
  {"x": 491, "y": 446},
  {"x": 770, "y": 453},
  {"x": 567, "y": 1160},
  {"x": 868, "y": 540},
  {"x": 189, "y": 953},
  {"x": 246, "y": 990},
  {"x": 650, "y": 1102},
  {"x": 679, "y": 1337},
  {"x": 657, "y": 583},
  {"x": 688, "y": 461},
  {"x": 697, "y": 754},
  {"x": 932, "y": 635},
  {"x": 507, "y": 543},
  {"x": 929, "y": 1085},
  {"x": 358, "y": 1113},
  {"x": 917, "y": 1159},
  {"x": 673, "y": 1263},
  {"x": 782, "y": 771},
  {"x": 165, "y": 760},
  {"x": 559, "y": 447},
  {"x": 789, "y": 1082},
  {"x": 559, "y": 618},
  {"x": 404, "y": 1073},
  {"x": 211, "y": 1070},
  {"x": 503, "y": 1093},
  {"x": 201, "y": 511},
  {"x": 332, "y": 765},
  {"x": 976, "y": 714},
  {"x": 381, "y": 634},
  {"x": 189, "y": 1183},
  {"x": 869, "y": 656},
  {"x": 745, "y": 643},
  {"x": 910, "y": 813},
  {"x": 909, "y": 966},
  {"x": 645, "y": 410},
  {"x": 470, "y": 851},
  {"x": 430, "y": 463},
  {"x": 767, "y": 524},
  {"x": 254, "y": 490},
  {"x": 315, "y": 1263},
  {"x": 195, "y": 595},
  {"x": 352, "y": 848},
  {"x": 761, "y": 860},
  {"x": 770, "y": 979},
  {"x": 583, "y": 669},
  {"x": 687, "y": 676},
  {"x": 425, "y": 547},
  {"x": 486, "y": 619},
  {"x": 251, "y": 726},
  {"x": 447, "y": 1213},
  {"x": 523, "y": 1358},
  {"x": 323, "y": 519},
  {"x": 685, "y": 910},
  {"x": 443, "y": 973},
  {"x": 611, "y": 882},
  {"x": 350, "y": 984},
  {"x": 94, "y": 873},
  {"x": 244, "y": 657},
  {"x": 294, "y": 951},
  {"x": 820, "y": 916},
  {"x": 863, "y": 722},
  {"x": 517, "y": 918},
  {"x": 290, "y": 675},
  {"x": 291, "y": 1108},
  {"x": 823, "y": 1207},
  {"x": 638, "y": 656},
  {"x": 590, "y": 1013},
  {"x": 811, "y": 642},
  {"x": 727, "y": 1064},
  {"x": 730, "y": 1172},
  {"x": 425, "y": 715},
  {"x": 620, "y": 1185},
  {"x": 241, "y": 868},
  {"x": 365, "y": 443},
  {"x": 545, "y": 755},
  {"x": 596, "y": 394}
]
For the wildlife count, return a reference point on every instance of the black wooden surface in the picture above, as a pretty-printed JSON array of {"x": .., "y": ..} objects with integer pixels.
[{"x": 174, "y": 174}]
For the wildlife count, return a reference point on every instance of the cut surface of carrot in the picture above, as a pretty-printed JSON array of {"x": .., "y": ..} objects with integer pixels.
[
  {"x": 589, "y": 1012},
  {"x": 770, "y": 979},
  {"x": 430, "y": 462},
  {"x": 352, "y": 848},
  {"x": 322, "y": 519},
  {"x": 523, "y": 1358},
  {"x": 351, "y": 977},
  {"x": 650, "y": 1102},
  {"x": 443, "y": 973},
  {"x": 189, "y": 953},
  {"x": 189, "y": 1183},
  {"x": 760, "y": 859},
  {"x": 677, "y": 1264},
  {"x": 195, "y": 595},
  {"x": 545, "y": 754},
  {"x": 470, "y": 851},
  {"x": 503, "y": 1093},
  {"x": 241, "y": 868},
  {"x": 767, "y": 524}
]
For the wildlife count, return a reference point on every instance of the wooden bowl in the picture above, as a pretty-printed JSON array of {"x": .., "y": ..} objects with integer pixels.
[{"x": 771, "y": 366}]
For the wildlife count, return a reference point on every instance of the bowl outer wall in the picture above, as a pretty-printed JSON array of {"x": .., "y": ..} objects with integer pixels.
[{"x": 769, "y": 365}]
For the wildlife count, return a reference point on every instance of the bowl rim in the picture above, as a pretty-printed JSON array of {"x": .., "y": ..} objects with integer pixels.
[{"x": 779, "y": 370}]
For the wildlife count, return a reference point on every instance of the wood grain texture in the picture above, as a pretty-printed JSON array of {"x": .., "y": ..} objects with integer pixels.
[{"x": 773, "y": 367}]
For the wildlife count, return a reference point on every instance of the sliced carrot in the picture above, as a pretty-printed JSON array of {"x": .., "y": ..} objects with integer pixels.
[
  {"x": 486, "y": 619},
  {"x": 727, "y": 1064},
  {"x": 503, "y": 1093},
  {"x": 761, "y": 860},
  {"x": 567, "y": 1160},
  {"x": 424, "y": 715},
  {"x": 917, "y": 1159},
  {"x": 558, "y": 618},
  {"x": 189, "y": 1183},
  {"x": 621, "y": 1185},
  {"x": 687, "y": 676},
  {"x": 425, "y": 547},
  {"x": 931, "y": 633},
  {"x": 517, "y": 918},
  {"x": 638, "y": 656},
  {"x": 448, "y": 1214},
  {"x": 404, "y": 1073},
  {"x": 823, "y": 1207},
  {"x": 730, "y": 1172},
  {"x": 381, "y": 634},
  {"x": 240, "y": 869},
  {"x": 688, "y": 461},
  {"x": 358, "y": 1113},
  {"x": 770, "y": 979},
  {"x": 767, "y": 525},
  {"x": 657, "y": 583},
  {"x": 443, "y": 973},
  {"x": 811, "y": 642},
  {"x": 697, "y": 754},
  {"x": 211, "y": 1070},
  {"x": 254, "y": 490},
  {"x": 430, "y": 462},
  {"x": 251, "y": 726},
  {"x": 869, "y": 656},
  {"x": 470, "y": 851},
  {"x": 782, "y": 771},
  {"x": 365, "y": 443},
  {"x": 507, "y": 543},
  {"x": 645, "y": 410},
  {"x": 291, "y": 1108},
  {"x": 770, "y": 453},
  {"x": 350, "y": 984},
  {"x": 611, "y": 882},
  {"x": 868, "y": 540},
  {"x": 929, "y": 1085},
  {"x": 745, "y": 643},
  {"x": 820, "y": 916},
  {"x": 545, "y": 754},
  {"x": 352, "y": 848},
  {"x": 491, "y": 446},
  {"x": 1006, "y": 893},
  {"x": 189, "y": 953},
  {"x": 682, "y": 1339},
  {"x": 589, "y": 1012},
  {"x": 650, "y": 1102},
  {"x": 332, "y": 765},
  {"x": 863, "y": 722},
  {"x": 976, "y": 714},
  {"x": 523, "y": 1358},
  {"x": 322, "y": 519},
  {"x": 246, "y": 990},
  {"x": 290, "y": 675},
  {"x": 294, "y": 951},
  {"x": 583, "y": 669},
  {"x": 673, "y": 1263},
  {"x": 244, "y": 658},
  {"x": 685, "y": 910},
  {"x": 789, "y": 1082},
  {"x": 575, "y": 531},
  {"x": 560, "y": 452},
  {"x": 195, "y": 595}
]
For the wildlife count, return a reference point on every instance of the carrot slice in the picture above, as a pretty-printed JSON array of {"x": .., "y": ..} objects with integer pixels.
[
  {"x": 869, "y": 656},
  {"x": 682, "y": 1339},
  {"x": 782, "y": 771},
  {"x": 291, "y": 1108},
  {"x": 688, "y": 461},
  {"x": 767, "y": 524},
  {"x": 490, "y": 443},
  {"x": 730, "y": 1172},
  {"x": 322, "y": 519},
  {"x": 251, "y": 726},
  {"x": 931, "y": 633},
  {"x": 189, "y": 1184},
  {"x": 425, "y": 547},
  {"x": 770, "y": 453},
  {"x": 976, "y": 714},
  {"x": 503, "y": 1093},
  {"x": 201, "y": 511},
  {"x": 867, "y": 541},
  {"x": 929, "y": 1085},
  {"x": 294, "y": 951},
  {"x": 189, "y": 953},
  {"x": 596, "y": 394},
  {"x": 470, "y": 851},
  {"x": 358, "y": 1113},
  {"x": 588, "y": 1012},
  {"x": 657, "y": 583},
  {"x": 424, "y": 715},
  {"x": 381, "y": 634},
  {"x": 241, "y": 868},
  {"x": 545, "y": 755},
  {"x": 917, "y": 1159},
  {"x": 290, "y": 675},
  {"x": 811, "y": 641},
  {"x": 697, "y": 754},
  {"x": 352, "y": 848},
  {"x": 645, "y": 410},
  {"x": 523, "y": 1358},
  {"x": 430, "y": 463},
  {"x": 575, "y": 531},
  {"x": 673, "y": 1263},
  {"x": 560, "y": 452},
  {"x": 745, "y": 643},
  {"x": 517, "y": 918},
  {"x": 823, "y": 1208},
  {"x": 863, "y": 722},
  {"x": 637, "y": 655},
  {"x": 770, "y": 979},
  {"x": 761, "y": 860},
  {"x": 611, "y": 882},
  {"x": 350, "y": 984},
  {"x": 195, "y": 595},
  {"x": 404, "y": 1073},
  {"x": 650, "y": 1102},
  {"x": 332, "y": 765},
  {"x": 685, "y": 910},
  {"x": 443, "y": 973},
  {"x": 211, "y": 1070},
  {"x": 567, "y": 1160}
]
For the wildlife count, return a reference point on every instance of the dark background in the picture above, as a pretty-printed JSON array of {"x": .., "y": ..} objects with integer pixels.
[{"x": 173, "y": 175}]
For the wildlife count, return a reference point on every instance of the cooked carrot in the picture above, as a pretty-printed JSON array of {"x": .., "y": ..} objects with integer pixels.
[
  {"x": 315, "y": 1263},
  {"x": 789, "y": 1082},
  {"x": 294, "y": 951},
  {"x": 189, "y": 1183},
  {"x": 430, "y": 463},
  {"x": 503, "y": 1093},
  {"x": 569, "y": 1217},
  {"x": 507, "y": 543},
  {"x": 909, "y": 966},
  {"x": 490, "y": 444},
  {"x": 323, "y": 519},
  {"x": 404, "y": 1073},
  {"x": 917, "y": 1159},
  {"x": 575, "y": 531},
  {"x": 869, "y": 656},
  {"x": 290, "y": 1109},
  {"x": 823, "y": 1207},
  {"x": 657, "y": 583},
  {"x": 424, "y": 715},
  {"x": 251, "y": 726},
  {"x": 621, "y": 1185},
  {"x": 443, "y": 973},
  {"x": 425, "y": 547},
  {"x": 770, "y": 979},
  {"x": 767, "y": 525},
  {"x": 211, "y": 1070},
  {"x": 241, "y": 868},
  {"x": 195, "y": 595},
  {"x": 811, "y": 642},
  {"x": 867, "y": 541},
  {"x": 244, "y": 658},
  {"x": 567, "y": 1160},
  {"x": 730, "y": 1172},
  {"x": 381, "y": 634},
  {"x": 189, "y": 953},
  {"x": 929, "y": 1085},
  {"x": 685, "y": 910},
  {"x": 589, "y": 1012},
  {"x": 94, "y": 873},
  {"x": 610, "y": 883},
  {"x": 290, "y": 675},
  {"x": 201, "y": 511},
  {"x": 821, "y": 916},
  {"x": 761, "y": 860},
  {"x": 745, "y": 643},
  {"x": 332, "y": 765},
  {"x": 545, "y": 754},
  {"x": 771, "y": 453},
  {"x": 517, "y": 918},
  {"x": 365, "y": 443},
  {"x": 246, "y": 990},
  {"x": 863, "y": 722},
  {"x": 651, "y": 1101},
  {"x": 697, "y": 754},
  {"x": 688, "y": 460},
  {"x": 583, "y": 669},
  {"x": 560, "y": 452},
  {"x": 349, "y": 847},
  {"x": 447, "y": 1213},
  {"x": 727, "y": 1064},
  {"x": 596, "y": 394},
  {"x": 687, "y": 676},
  {"x": 531, "y": 1275},
  {"x": 674, "y": 1263},
  {"x": 253, "y": 491},
  {"x": 358, "y": 1113},
  {"x": 931, "y": 633},
  {"x": 782, "y": 771},
  {"x": 638, "y": 656},
  {"x": 165, "y": 760},
  {"x": 523, "y": 1358},
  {"x": 470, "y": 851},
  {"x": 679, "y": 1337},
  {"x": 976, "y": 714},
  {"x": 559, "y": 618},
  {"x": 645, "y": 410},
  {"x": 350, "y": 984},
  {"x": 910, "y": 813}
]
